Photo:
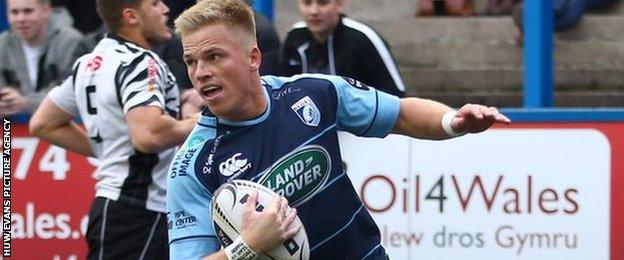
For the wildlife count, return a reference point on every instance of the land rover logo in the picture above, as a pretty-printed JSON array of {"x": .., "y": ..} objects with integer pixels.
[{"x": 299, "y": 175}]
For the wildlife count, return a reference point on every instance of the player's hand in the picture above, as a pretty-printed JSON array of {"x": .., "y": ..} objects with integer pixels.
[
  {"x": 472, "y": 118},
  {"x": 12, "y": 102},
  {"x": 265, "y": 230}
]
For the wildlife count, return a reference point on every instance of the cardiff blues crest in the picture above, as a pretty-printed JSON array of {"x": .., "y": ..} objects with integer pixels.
[{"x": 307, "y": 111}]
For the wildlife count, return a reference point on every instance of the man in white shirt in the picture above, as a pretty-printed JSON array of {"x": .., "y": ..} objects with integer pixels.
[{"x": 36, "y": 53}]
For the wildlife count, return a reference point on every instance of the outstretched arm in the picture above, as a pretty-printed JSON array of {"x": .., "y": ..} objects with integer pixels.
[{"x": 423, "y": 118}]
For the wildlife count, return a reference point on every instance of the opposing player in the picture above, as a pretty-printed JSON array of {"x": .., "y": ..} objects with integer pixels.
[
  {"x": 128, "y": 101},
  {"x": 282, "y": 133}
]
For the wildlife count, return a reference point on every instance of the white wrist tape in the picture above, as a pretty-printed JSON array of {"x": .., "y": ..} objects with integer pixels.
[
  {"x": 447, "y": 120},
  {"x": 239, "y": 250}
]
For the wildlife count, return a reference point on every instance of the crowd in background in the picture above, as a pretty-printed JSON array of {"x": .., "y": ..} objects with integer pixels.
[
  {"x": 46, "y": 36},
  {"x": 38, "y": 50}
]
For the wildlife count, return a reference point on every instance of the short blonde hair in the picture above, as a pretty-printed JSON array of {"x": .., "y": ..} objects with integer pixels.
[{"x": 229, "y": 12}]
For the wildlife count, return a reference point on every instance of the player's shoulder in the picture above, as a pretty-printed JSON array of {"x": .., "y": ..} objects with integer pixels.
[
  {"x": 307, "y": 82},
  {"x": 324, "y": 89},
  {"x": 121, "y": 50}
]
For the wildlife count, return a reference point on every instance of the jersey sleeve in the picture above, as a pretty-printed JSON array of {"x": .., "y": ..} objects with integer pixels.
[
  {"x": 63, "y": 96},
  {"x": 141, "y": 83},
  {"x": 363, "y": 110},
  {"x": 193, "y": 248},
  {"x": 191, "y": 235}
]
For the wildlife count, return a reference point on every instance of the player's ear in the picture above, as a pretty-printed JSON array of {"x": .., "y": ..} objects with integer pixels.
[
  {"x": 255, "y": 57},
  {"x": 130, "y": 16}
]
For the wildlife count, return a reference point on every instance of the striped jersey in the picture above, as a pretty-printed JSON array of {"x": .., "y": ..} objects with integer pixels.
[
  {"x": 292, "y": 148},
  {"x": 106, "y": 83}
]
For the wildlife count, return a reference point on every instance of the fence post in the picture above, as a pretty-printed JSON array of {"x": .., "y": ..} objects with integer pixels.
[
  {"x": 538, "y": 53},
  {"x": 3, "y": 16},
  {"x": 265, "y": 7}
]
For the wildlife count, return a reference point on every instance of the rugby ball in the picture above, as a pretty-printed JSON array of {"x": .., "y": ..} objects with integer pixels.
[{"x": 228, "y": 204}]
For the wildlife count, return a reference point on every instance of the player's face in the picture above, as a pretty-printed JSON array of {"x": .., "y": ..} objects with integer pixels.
[
  {"x": 28, "y": 19},
  {"x": 221, "y": 67},
  {"x": 154, "y": 16},
  {"x": 321, "y": 16}
]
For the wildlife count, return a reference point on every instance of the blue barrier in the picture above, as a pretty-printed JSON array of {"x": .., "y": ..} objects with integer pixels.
[
  {"x": 517, "y": 115},
  {"x": 538, "y": 53},
  {"x": 265, "y": 7},
  {"x": 3, "y": 16},
  {"x": 24, "y": 118}
]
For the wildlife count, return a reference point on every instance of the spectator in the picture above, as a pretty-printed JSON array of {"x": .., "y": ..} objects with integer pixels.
[
  {"x": 35, "y": 55},
  {"x": 444, "y": 7},
  {"x": 502, "y": 7},
  {"x": 328, "y": 42},
  {"x": 61, "y": 16}
]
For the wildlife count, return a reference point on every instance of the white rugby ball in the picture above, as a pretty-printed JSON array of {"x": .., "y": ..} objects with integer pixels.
[{"x": 228, "y": 204}]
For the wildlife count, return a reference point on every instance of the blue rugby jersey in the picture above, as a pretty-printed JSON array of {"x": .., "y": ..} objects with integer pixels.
[{"x": 291, "y": 148}]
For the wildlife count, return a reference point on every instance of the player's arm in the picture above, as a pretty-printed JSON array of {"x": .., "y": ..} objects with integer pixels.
[
  {"x": 51, "y": 123},
  {"x": 261, "y": 231},
  {"x": 428, "y": 119},
  {"x": 151, "y": 130},
  {"x": 365, "y": 111},
  {"x": 150, "y": 127},
  {"x": 53, "y": 120}
]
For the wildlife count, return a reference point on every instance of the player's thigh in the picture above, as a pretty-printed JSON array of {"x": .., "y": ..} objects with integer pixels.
[{"x": 122, "y": 231}]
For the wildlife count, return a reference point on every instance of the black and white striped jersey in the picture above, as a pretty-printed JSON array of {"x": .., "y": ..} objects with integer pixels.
[{"x": 106, "y": 83}]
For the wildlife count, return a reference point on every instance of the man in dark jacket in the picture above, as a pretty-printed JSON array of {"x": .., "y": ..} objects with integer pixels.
[{"x": 327, "y": 42}]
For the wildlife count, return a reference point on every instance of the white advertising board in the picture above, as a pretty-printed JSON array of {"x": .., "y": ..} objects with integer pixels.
[{"x": 503, "y": 194}]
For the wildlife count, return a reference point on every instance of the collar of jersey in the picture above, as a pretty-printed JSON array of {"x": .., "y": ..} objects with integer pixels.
[
  {"x": 208, "y": 120},
  {"x": 118, "y": 38}
]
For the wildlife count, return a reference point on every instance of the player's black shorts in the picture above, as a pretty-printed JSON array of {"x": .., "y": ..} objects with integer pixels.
[{"x": 120, "y": 231}]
